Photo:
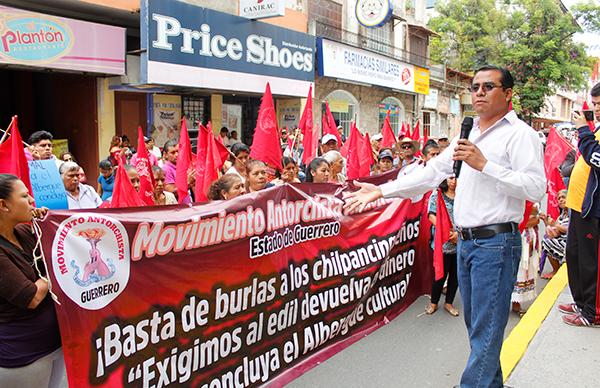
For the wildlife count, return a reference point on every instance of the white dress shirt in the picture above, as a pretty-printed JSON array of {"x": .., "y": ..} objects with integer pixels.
[
  {"x": 514, "y": 172},
  {"x": 88, "y": 198}
]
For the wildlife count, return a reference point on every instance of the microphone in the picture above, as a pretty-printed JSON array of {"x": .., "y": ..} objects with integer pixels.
[{"x": 465, "y": 129}]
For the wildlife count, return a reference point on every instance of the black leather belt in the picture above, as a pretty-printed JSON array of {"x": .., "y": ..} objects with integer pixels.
[{"x": 486, "y": 231}]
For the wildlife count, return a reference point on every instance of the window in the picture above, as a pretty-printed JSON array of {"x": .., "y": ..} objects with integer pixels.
[
  {"x": 426, "y": 127},
  {"x": 325, "y": 11},
  {"x": 395, "y": 120},
  {"x": 380, "y": 38},
  {"x": 418, "y": 48},
  {"x": 344, "y": 118}
]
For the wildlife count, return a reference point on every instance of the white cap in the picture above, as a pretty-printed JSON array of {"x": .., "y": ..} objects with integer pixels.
[{"x": 327, "y": 138}]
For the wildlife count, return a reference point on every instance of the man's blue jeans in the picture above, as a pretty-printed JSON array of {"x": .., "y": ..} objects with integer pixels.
[{"x": 487, "y": 271}]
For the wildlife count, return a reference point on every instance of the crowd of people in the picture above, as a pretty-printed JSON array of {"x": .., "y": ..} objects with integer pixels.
[{"x": 494, "y": 252}]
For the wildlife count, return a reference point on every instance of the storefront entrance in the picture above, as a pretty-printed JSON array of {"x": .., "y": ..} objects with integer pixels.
[{"x": 62, "y": 104}]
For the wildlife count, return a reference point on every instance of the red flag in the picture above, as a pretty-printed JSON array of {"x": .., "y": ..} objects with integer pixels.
[
  {"x": 314, "y": 151},
  {"x": 209, "y": 160},
  {"x": 526, "y": 214},
  {"x": 184, "y": 159},
  {"x": 557, "y": 148},
  {"x": 353, "y": 158},
  {"x": 220, "y": 152},
  {"x": 329, "y": 124},
  {"x": 403, "y": 133},
  {"x": 416, "y": 134},
  {"x": 388, "y": 134},
  {"x": 442, "y": 234},
  {"x": 425, "y": 139},
  {"x": 266, "y": 145},
  {"x": 206, "y": 172},
  {"x": 366, "y": 156},
  {"x": 555, "y": 184},
  {"x": 144, "y": 170},
  {"x": 306, "y": 128},
  {"x": 12, "y": 156},
  {"x": 124, "y": 195}
]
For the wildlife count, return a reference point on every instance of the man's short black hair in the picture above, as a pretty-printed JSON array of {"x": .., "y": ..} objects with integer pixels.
[
  {"x": 38, "y": 136},
  {"x": 506, "y": 79},
  {"x": 429, "y": 145},
  {"x": 224, "y": 129},
  {"x": 169, "y": 144},
  {"x": 596, "y": 90}
]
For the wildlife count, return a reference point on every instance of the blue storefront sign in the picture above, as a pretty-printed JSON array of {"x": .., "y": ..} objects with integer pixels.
[{"x": 194, "y": 46}]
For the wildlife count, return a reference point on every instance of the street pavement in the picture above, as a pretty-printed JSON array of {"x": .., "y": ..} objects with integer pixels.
[{"x": 431, "y": 351}]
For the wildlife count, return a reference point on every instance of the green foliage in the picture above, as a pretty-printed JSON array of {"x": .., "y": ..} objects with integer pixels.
[
  {"x": 532, "y": 38},
  {"x": 588, "y": 15}
]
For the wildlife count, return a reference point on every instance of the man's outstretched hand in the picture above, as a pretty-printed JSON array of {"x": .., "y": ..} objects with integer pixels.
[{"x": 359, "y": 199}]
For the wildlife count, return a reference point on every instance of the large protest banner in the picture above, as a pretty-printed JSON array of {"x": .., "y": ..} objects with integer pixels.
[{"x": 242, "y": 293}]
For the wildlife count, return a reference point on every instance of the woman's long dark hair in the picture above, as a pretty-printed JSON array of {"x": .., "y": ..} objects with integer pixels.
[
  {"x": 312, "y": 166},
  {"x": 7, "y": 182}
]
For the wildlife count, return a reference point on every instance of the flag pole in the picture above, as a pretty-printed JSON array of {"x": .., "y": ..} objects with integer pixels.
[
  {"x": 6, "y": 132},
  {"x": 228, "y": 150}
]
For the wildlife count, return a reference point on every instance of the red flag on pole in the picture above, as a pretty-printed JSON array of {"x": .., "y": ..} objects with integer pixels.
[
  {"x": 266, "y": 146},
  {"x": 124, "y": 195},
  {"x": 306, "y": 128},
  {"x": 442, "y": 234},
  {"x": 389, "y": 139},
  {"x": 329, "y": 124},
  {"x": 526, "y": 214},
  {"x": 403, "y": 133},
  {"x": 220, "y": 152},
  {"x": 12, "y": 156},
  {"x": 557, "y": 148},
  {"x": 315, "y": 143},
  {"x": 184, "y": 159},
  {"x": 366, "y": 156},
  {"x": 144, "y": 170},
  {"x": 353, "y": 158},
  {"x": 416, "y": 133},
  {"x": 209, "y": 160}
]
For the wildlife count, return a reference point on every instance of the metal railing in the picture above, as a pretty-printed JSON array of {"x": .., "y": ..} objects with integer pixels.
[{"x": 323, "y": 30}]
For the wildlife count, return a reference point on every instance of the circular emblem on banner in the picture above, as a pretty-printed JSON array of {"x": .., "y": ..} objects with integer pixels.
[
  {"x": 406, "y": 76},
  {"x": 90, "y": 257},
  {"x": 374, "y": 13}
]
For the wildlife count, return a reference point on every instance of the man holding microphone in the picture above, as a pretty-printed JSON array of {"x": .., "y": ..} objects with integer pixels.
[{"x": 502, "y": 168}]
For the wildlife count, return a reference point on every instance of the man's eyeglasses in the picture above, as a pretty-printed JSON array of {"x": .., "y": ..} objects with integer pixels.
[
  {"x": 487, "y": 87},
  {"x": 406, "y": 146}
]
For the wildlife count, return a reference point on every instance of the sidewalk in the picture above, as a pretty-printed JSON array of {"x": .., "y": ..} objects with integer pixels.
[{"x": 559, "y": 355}]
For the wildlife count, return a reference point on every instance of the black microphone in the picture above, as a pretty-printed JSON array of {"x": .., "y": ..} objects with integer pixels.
[{"x": 465, "y": 129}]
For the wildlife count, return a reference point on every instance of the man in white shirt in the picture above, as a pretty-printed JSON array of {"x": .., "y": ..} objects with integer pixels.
[{"x": 502, "y": 168}]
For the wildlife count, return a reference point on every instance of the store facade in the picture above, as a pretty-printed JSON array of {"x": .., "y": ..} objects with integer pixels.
[
  {"x": 364, "y": 85},
  {"x": 49, "y": 69},
  {"x": 216, "y": 65}
]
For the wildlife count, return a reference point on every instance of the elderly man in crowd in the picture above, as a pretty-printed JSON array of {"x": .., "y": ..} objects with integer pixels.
[
  {"x": 79, "y": 196},
  {"x": 329, "y": 143},
  {"x": 443, "y": 142},
  {"x": 408, "y": 149}
]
